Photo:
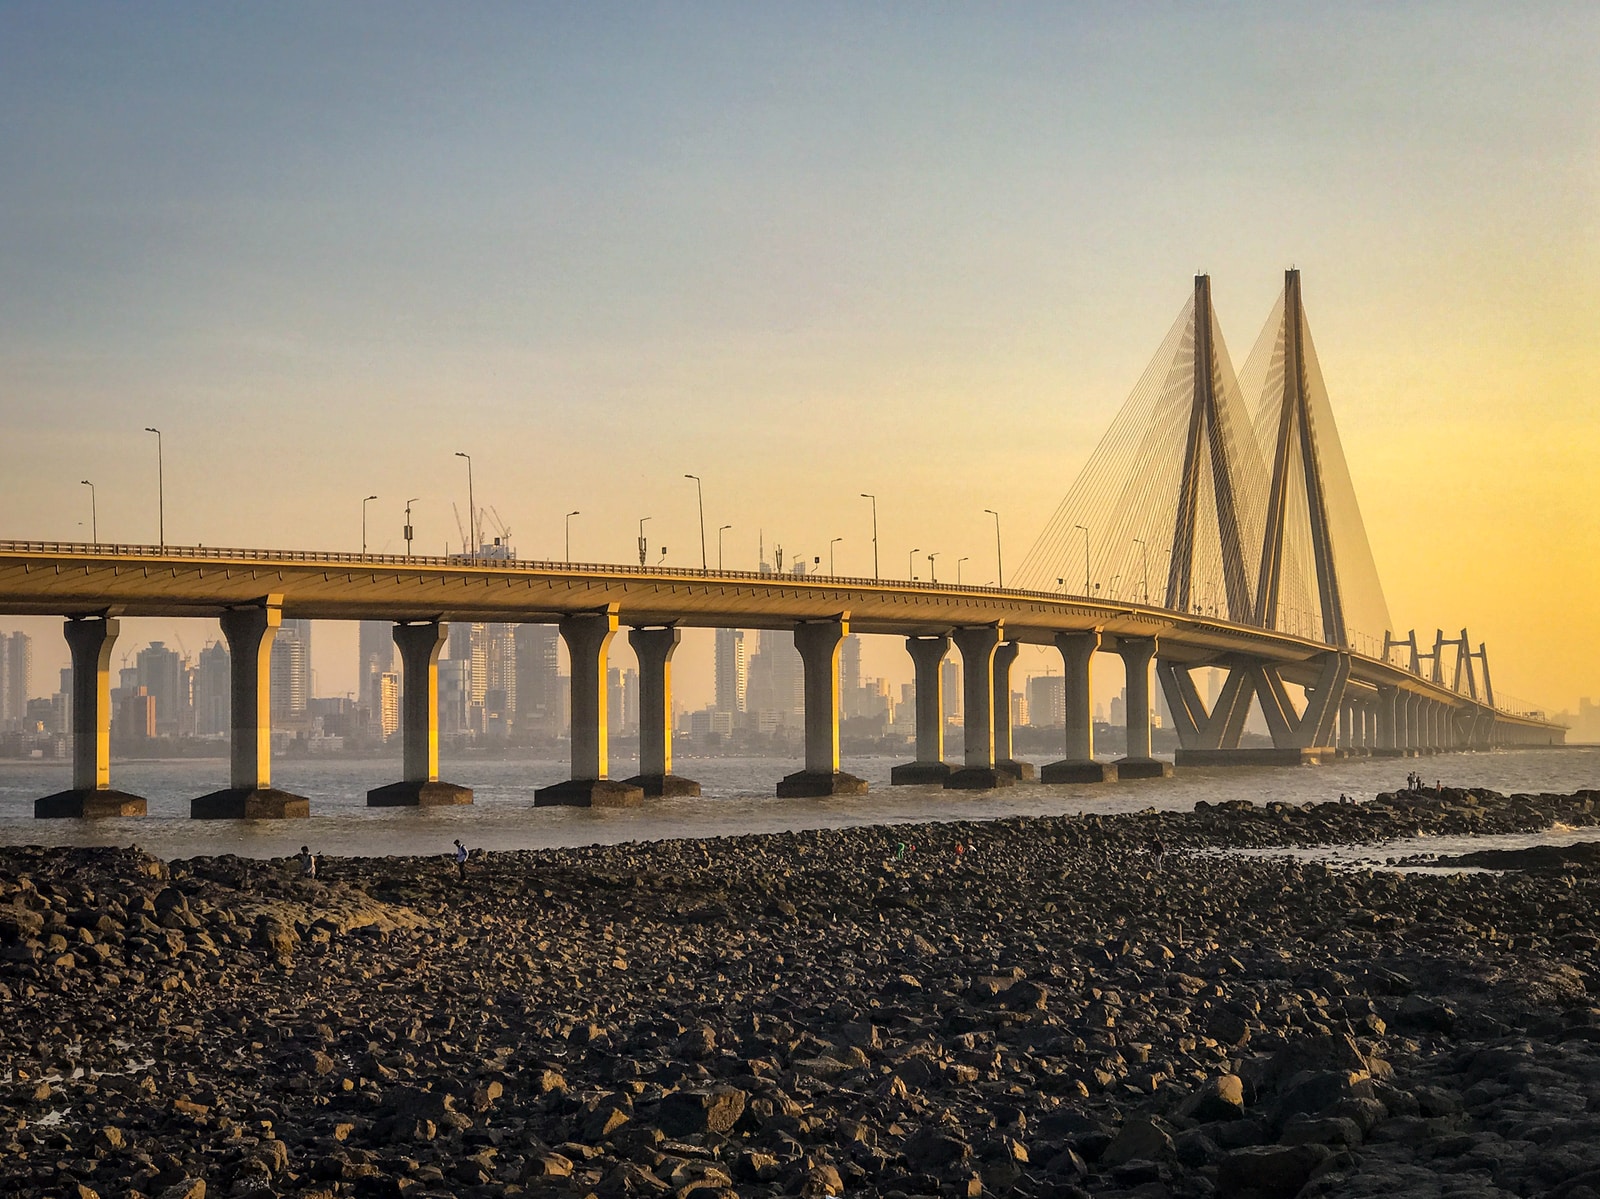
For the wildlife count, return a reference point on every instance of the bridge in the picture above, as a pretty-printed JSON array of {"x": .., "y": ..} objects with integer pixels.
[{"x": 1264, "y": 574}]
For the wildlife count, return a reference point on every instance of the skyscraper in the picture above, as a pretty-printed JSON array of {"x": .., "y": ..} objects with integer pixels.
[
  {"x": 732, "y": 674},
  {"x": 16, "y": 677},
  {"x": 849, "y": 675},
  {"x": 291, "y": 670},
  {"x": 538, "y": 685},
  {"x": 376, "y": 641},
  {"x": 211, "y": 691},
  {"x": 164, "y": 676}
]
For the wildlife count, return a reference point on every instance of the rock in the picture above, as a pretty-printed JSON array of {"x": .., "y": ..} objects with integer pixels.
[
  {"x": 696, "y": 1112},
  {"x": 188, "y": 1188},
  {"x": 1270, "y": 1171},
  {"x": 543, "y": 1164},
  {"x": 1219, "y": 1098},
  {"x": 1329, "y": 1130},
  {"x": 1142, "y": 1138},
  {"x": 933, "y": 1149}
]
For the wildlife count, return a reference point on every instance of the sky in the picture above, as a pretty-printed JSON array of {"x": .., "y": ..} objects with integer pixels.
[{"x": 803, "y": 251}]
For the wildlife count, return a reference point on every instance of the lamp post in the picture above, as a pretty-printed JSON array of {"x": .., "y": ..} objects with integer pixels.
[
  {"x": 869, "y": 496},
  {"x": 161, "y": 489},
  {"x": 644, "y": 546},
  {"x": 720, "y": 532},
  {"x": 570, "y": 515},
  {"x": 409, "y": 502},
  {"x": 911, "y": 564},
  {"x": 932, "y": 578},
  {"x": 959, "y": 561},
  {"x": 831, "y": 544},
  {"x": 700, "y": 491},
  {"x": 364, "y": 504},
  {"x": 1144, "y": 552},
  {"x": 94, "y": 516},
  {"x": 472, "y": 507},
  {"x": 1085, "y": 559},
  {"x": 999, "y": 566}
]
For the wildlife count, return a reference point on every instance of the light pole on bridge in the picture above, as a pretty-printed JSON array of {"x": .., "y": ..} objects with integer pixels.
[
  {"x": 869, "y": 496},
  {"x": 408, "y": 529},
  {"x": 1085, "y": 530},
  {"x": 644, "y": 546},
  {"x": 911, "y": 564},
  {"x": 720, "y": 532},
  {"x": 999, "y": 566},
  {"x": 831, "y": 544},
  {"x": 161, "y": 489},
  {"x": 1144, "y": 551},
  {"x": 364, "y": 504},
  {"x": 931, "y": 557},
  {"x": 959, "y": 561},
  {"x": 700, "y": 491},
  {"x": 570, "y": 515},
  {"x": 472, "y": 507},
  {"x": 94, "y": 515}
]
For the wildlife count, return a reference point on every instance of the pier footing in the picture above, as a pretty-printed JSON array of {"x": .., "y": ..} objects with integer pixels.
[
  {"x": 664, "y": 786},
  {"x": 1143, "y": 768},
  {"x": 250, "y": 803},
  {"x": 588, "y": 793},
  {"x": 1078, "y": 772},
  {"x": 88, "y": 803},
  {"x": 1255, "y": 757},
  {"x": 432, "y": 794},
  {"x": 809, "y": 784},
  {"x": 979, "y": 778},
  {"x": 912, "y": 773}
]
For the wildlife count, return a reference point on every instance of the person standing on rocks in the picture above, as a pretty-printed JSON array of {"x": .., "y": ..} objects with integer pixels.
[
  {"x": 1158, "y": 851},
  {"x": 461, "y": 860},
  {"x": 308, "y": 862}
]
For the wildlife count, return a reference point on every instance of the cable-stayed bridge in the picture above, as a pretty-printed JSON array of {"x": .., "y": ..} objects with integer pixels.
[{"x": 1214, "y": 529}]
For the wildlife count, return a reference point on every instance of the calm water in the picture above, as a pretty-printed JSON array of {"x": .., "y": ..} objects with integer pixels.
[{"x": 738, "y": 799}]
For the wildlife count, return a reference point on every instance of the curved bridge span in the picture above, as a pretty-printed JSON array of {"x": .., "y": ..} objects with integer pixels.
[{"x": 1351, "y": 701}]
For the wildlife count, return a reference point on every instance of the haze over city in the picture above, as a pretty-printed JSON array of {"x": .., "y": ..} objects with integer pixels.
[{"x": 802, "y": 253}]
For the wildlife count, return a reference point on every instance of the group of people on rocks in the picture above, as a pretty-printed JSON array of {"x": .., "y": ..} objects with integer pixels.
[
  {"x": 1415, "y": 782},
  {"x": 460, "y": 855}
]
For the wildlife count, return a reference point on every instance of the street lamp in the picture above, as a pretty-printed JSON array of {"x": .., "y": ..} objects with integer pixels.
[
  {"x": 644, "y": 546},
  {"x": 911, "y": 564},
  {"x": 700, "y": 491},
  {"x": 1085, "y": 559},
  {"x": 570, "y": 515},
  {"x": 869, "y": 496},
  {"x": 94, "y": 516},
  {"x": 472, "y": 507},
  {"x": 161, "y": 489},
  {"x": 409, "y": 502},
  {"x": 720, "y": 532},
  {"x": 998, "y": 565},
  {"x": 959, "y": 561},
  {"x": 831, "y": 544},
  {"x": 364, "y": 504},
  {"x": 931, "y": 577},
  {"x": 1144, "y": 551}
]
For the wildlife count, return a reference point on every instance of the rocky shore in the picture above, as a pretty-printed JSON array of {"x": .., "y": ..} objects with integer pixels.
[{"x": 1110, "y": 1006}]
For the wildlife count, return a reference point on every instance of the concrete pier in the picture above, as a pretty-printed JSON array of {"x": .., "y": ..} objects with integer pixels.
[
  {"x": 419, "y": 646},
  {"x": 1004, "y": 655},
  {"x": 91, "y": 794},
  {"x": 1136, "y": 654},
  {"x": 818, "y": 642},
  {"x": 1079, "y": 766},
  {"x": 927, "y": 659},
  {"x": 588, "y": 637},
  {"x": 978, "y": 769},
  {"x": 654, "y": 648},
  {"x": 251, "y": 795}
]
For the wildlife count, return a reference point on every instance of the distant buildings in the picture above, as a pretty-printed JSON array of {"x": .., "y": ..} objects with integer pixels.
[
  {"x": 732, "y": 672},
  {"x": 16, "y": 679}
]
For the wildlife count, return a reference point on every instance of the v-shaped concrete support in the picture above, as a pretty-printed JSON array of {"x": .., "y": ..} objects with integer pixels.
[
  {"x": 1315, "y": 726},
  {"x": 1197, "y": 728}
]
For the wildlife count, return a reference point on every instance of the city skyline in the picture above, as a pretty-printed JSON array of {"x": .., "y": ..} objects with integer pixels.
[{"x": 643, "y": 271}]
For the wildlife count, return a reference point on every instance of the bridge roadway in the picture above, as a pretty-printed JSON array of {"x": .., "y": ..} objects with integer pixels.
[{"x": 1353, "y": 702}]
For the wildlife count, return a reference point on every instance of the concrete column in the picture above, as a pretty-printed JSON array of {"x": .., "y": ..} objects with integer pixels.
[
  {"x": 927, "y": 658},
  {"x": 90, "y": 641},
  {"x": 1079, "y": 766},
  {"x": 978, "y": 771},
  {"x": 1347, "y": 719},
  {"x": 250, "y": 794},
  {"x": 1004, "y": 758},
  {"x": 654, "y": 649},
  {"x": 588, "y": 637},
  {"x": 1387, "y": 718},
  {"x": 1413, "y": 725},
  {"x": 818, "y": 642},
  {"x": 419, "y": 646},
  {"x": 1136, "y": 653}
]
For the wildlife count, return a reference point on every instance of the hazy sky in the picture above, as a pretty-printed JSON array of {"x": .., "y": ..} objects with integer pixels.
[{"x": 804, "y": 251}]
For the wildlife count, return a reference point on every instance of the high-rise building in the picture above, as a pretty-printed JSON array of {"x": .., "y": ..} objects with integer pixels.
[
  {"x": 291, "y": 670},
  {"x": 376, "y": 642},
  {"x": 950, "y": 682},
  {"x": 776, "y": 691},
  {"x": 16, "y": 678},
  {"x": 539, "y": 708},
  {"x": 387, "y": 690},
  {"x": 164, "y": 677},
  {"x": 850, "y": 676},
  {"x": 732, "y": 672},
  {"x": 616, "y": 712},
  {"x": 211, "y": 691},
  {"x": 1047, "y": 700},
  {"x": 454, "y": 694}
]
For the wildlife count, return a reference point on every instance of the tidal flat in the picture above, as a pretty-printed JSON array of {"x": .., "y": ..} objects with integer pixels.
[{"x": 1043, "y": 1006}]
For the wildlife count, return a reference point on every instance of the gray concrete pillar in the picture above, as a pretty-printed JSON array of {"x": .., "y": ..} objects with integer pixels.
[
  {"x": 1413, "y": 725},
  {"x": 419, "y": 646},
  {"x": 818, "y": 642},
  {"x": 1136, "y": 654},
  {"x": 90, "y": 640},
  {"x": 1389, "y": 717},
  {"x": 978, "y": 771},
  {"x": 1079, "y": 766},
  {"x": 1345, "y": 738},
  {"x": 250, "y": 794},
  {"x": 654, "y": 649},
  {"x": 588, "y": 636},
  {"x": 1005, "y": 655},
  {"x": 927, "y": 659}
]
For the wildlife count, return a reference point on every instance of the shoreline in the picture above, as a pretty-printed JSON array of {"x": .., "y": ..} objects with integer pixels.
[{"x": 1054, "y": 1009}]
